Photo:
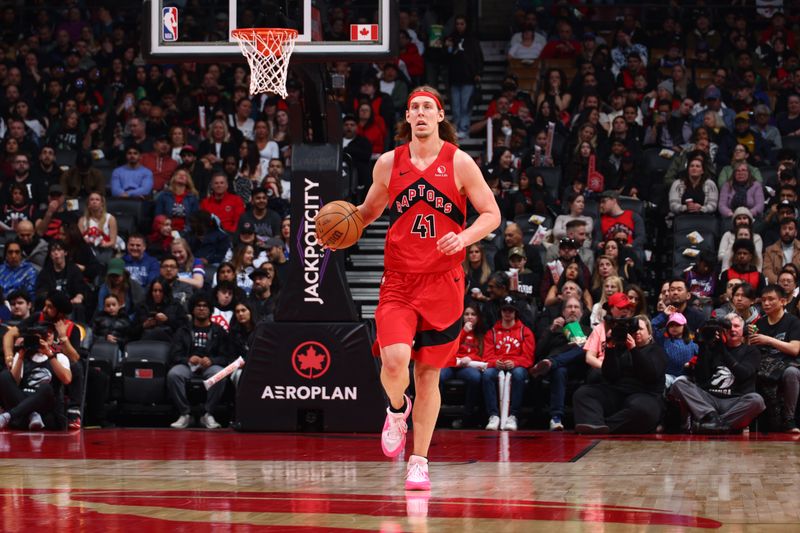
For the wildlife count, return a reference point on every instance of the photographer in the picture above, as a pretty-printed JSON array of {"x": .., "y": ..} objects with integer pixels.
[
  {"x": 629, "y": 398},
  {"x": 34, "y": 384},
  {"x": 618, "y": 306},
  {"x": 777, "y": 335},
  {"x": 57, "y": 308},
  {"x": 722, "y": 397}
]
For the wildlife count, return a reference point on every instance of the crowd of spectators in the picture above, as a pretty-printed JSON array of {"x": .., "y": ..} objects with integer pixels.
[
  {"x": 696, "y": 114},
  {"x": 604, "y": 139}
]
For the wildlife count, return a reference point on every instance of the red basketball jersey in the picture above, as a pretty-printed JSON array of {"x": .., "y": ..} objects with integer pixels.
[{"x": 425, "y": 205}]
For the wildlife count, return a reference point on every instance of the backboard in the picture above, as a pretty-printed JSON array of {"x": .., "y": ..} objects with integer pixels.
[{"x": 176, "y": 30}]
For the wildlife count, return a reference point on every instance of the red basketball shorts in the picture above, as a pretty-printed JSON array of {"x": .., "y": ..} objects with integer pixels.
[{"x": 423, "y": 311}]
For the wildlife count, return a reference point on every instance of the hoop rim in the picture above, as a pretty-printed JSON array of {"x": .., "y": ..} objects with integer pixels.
[{"x": 249, "y": 33}]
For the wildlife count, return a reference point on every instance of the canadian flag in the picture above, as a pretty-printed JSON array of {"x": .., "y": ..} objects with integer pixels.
[{"x": 363, "y": 32}]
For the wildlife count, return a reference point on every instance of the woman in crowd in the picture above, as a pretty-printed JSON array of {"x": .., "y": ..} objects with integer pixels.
[
  {"x": 243, "y": 266},
  {"x": 159, "y": 242},
  {"x": 266, "y": 147},
  {"x": 177, "y": 140},
  {"x": 627, "y": 262},
  {"x": 118, "y": 282},
  {"x": 740, "y": 156},
  {"x": 742, "y": 218},
  {"x": 250, "y": 172},
  {"x": 787, "y": 279},
  {"x": 286, "y": 234},
  {"x": 18, "y": 208},
  {"x": 743, "y": 300},
  {"x": 575, "y": 205},
  {"x": 476, "y": 268},
  {"x": 741, "y": 190},
  {"x": 98, "y": 227},
  {"x": 190, "y": 270},
  {"x": 217, "y": 144},
  {"x": 604, "y": 266},
  {"x": 470, "y": 349},
  {"x": 572, "y": 273},
  {"x": 638, "y": 298},
  {"x": 532, "y": 196},
  {"x": 555, "y": 90},
  {"x": 241, "y": 333},
  {"x": 179, "y": 200},
  {"x": 694, "y": 191},
  {"x": 160, "y": 315},
  {"x": 611, "y": 285},
  {"x": 372, "y": 127}
]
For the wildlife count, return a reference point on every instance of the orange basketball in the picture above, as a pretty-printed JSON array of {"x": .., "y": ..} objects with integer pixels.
[{"x": 339, "y": 224}]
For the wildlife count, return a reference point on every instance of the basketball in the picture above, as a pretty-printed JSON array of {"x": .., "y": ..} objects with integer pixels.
[{"x": 339, "y": 224}]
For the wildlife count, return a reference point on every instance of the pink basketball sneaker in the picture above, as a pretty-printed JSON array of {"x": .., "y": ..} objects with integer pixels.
[
  {"x": 417, "y": 474},
  {"x": 393, "y": 437}
]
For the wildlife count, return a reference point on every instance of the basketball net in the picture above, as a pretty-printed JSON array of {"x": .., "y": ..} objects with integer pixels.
[{"x": 267, "y": 51}]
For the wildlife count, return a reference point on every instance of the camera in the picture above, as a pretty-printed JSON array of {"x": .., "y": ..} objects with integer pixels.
[
  {"x": 33, "y": 335},
  {"x": 619, "y": 328},
  {"x": 712, "y": 330}
]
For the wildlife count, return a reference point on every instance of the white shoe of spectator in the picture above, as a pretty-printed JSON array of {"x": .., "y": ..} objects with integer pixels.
[
  {"x": 182, "y": 422},
  {"x": 494, "y": 423},
  {"x": 35, "y": 422},
  {"x": 511, "y": 423},
  {"x": 208, "y": 421}
]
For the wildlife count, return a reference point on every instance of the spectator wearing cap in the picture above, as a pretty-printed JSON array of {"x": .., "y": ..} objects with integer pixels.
[
  {"x": 509, "y": 346},
  {"x": 785, "y": 251},
  {"x": 262, "y": 296},
  {"x": 179, "y": 200},
  {"x": 785, "y": 207},
  {"x": 571, "y": 246},
  {"x": 82, "y": 179},
  {"x": 742, "y": 217},
  {"x": 512, "y": 237},
  {"x": 16, "y": 273},
  {"x": 523, "y": 287},
  {"x": 274, "y": 249},
  {"x": 629, "y": 400},
  {"x": 615, "y": 221},
  {"x": 199, "y": 170},
  {"x": 118, "y": 282},
  {"x": 140, "y": 265},
  {"x": 678, "y": 345},
  {"x": 132, "y": 180},
  {"x": 197, "y": 349},
  {"x": 743, "y": 266},
  {"x": 247, "y": 236},
  {"x": 160, "y": 163},
  {"x": 762, "y": 127},
  {"x": 617, "y": 306},
  {"x": 713, "y": 102}
]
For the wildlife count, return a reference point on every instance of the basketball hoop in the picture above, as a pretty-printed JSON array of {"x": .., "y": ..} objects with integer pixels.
[{"x": 267, "y": 51}]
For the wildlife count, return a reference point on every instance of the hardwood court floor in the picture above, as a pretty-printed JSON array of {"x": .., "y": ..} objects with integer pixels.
[{"x": 193, "y": 480}]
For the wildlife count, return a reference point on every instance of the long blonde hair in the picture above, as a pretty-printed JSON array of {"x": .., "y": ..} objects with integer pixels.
[
  {"x": 189, "y": 181},
  {"x": 87, "y": 215},
  {"x": 485, "y": 269},
  {"x": 446, "y": 130}
]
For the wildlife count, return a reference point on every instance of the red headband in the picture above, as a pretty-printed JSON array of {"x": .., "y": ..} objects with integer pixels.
[{"x": 423, "y": 93}]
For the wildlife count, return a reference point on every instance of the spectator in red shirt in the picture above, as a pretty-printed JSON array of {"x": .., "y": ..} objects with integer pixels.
[
  {"x": 508, "y": 346},
  {"x": 227, "y": 207},
  {"x": 564, "y": 46},
  {"x": 373, "y": 127},
  {"x": 160, "y": 163}
]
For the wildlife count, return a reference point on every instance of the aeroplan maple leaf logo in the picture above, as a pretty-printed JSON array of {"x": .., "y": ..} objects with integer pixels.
[{"x": 311, "y": 360}]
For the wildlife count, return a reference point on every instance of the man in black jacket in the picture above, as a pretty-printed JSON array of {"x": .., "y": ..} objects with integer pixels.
[
  {"x": 59, "y": 275},
  {"x": 723, "y": 395},
  {"x": 198, "y": 349}
]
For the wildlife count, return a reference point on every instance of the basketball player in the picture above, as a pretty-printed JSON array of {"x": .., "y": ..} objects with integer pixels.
[{"x": 426, "y": 184}]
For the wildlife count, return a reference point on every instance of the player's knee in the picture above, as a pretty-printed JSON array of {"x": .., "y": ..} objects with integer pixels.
[{"x": 395, "y": 358}]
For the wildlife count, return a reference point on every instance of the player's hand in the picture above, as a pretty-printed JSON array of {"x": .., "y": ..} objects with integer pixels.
[{"x": 451, "y": 243}]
